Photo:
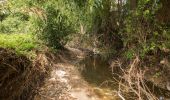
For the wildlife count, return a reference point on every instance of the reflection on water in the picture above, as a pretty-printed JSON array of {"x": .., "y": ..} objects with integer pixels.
[{"x": 95, "y": 70}]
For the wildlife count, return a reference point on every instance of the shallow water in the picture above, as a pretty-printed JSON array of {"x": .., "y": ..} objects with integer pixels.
[
  {"x": 90, "y": 79},
  {"x": 95, "y": 70}
]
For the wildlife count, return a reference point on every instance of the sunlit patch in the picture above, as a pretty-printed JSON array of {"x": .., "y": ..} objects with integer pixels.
[{"x": 82, "y": 94}]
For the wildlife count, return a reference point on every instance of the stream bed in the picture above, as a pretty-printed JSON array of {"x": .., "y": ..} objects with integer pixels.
[
  {"x": 83, "y": 78},
  {"x": 95, "y": 71}
]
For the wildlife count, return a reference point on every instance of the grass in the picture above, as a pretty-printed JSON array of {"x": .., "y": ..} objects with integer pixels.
[{"x": 21, "y": 43}]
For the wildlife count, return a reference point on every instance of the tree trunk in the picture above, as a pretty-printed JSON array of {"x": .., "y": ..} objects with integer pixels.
[
  {"x": 133, "y": 4},
  {"x": 163, "y": 14}
]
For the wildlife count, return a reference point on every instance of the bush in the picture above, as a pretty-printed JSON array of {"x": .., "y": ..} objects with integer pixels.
[
  {"x": 55, "y": 28},
  {"x": 52, "y": 21},
  {"x": 10, "y": 25},
  {"x": 13, "y": 19},
  {"x": 142, "y": 32}
]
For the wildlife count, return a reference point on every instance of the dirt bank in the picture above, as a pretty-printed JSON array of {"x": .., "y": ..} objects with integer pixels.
[{"x": 21, "y": 76}]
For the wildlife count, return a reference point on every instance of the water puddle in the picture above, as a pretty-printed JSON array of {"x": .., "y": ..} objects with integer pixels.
[{"x": 96, "y": 72}]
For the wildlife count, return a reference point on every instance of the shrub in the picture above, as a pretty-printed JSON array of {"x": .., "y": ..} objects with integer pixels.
[
  {"x": 55, "y": 28},
  {"x": 142, "y": 32}
]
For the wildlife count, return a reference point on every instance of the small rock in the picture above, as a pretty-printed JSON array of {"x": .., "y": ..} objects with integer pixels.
[
  {"x": 52, "y": 80},
  {"x": 161, "y": 98},
  {"x": 168, "y": 86}
]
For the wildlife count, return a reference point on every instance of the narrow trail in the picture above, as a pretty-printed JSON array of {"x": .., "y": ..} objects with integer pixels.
[{"x": 66, "y": 83}]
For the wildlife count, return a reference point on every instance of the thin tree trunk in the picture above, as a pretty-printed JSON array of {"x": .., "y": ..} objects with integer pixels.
[{"x": 133, "y": 4}]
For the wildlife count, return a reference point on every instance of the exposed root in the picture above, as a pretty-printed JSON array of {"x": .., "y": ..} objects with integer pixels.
[
  {"x": 19, "y": 76},
  {"x": 132, "y": 83}
]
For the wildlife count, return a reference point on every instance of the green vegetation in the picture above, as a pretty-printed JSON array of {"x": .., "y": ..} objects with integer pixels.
[
  {"x": 135, "y": 31},
  {"x": 21, "y": 43},
  {"x": 51, "y": 21},
  {"x": 114, "y": 25}
]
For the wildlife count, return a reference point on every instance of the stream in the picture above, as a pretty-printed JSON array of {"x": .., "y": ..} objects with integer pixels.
[
  {"x": 95, "y": 71},
  {"x": 83, "y": 78},
  {"x": 86, "y": 78}
]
